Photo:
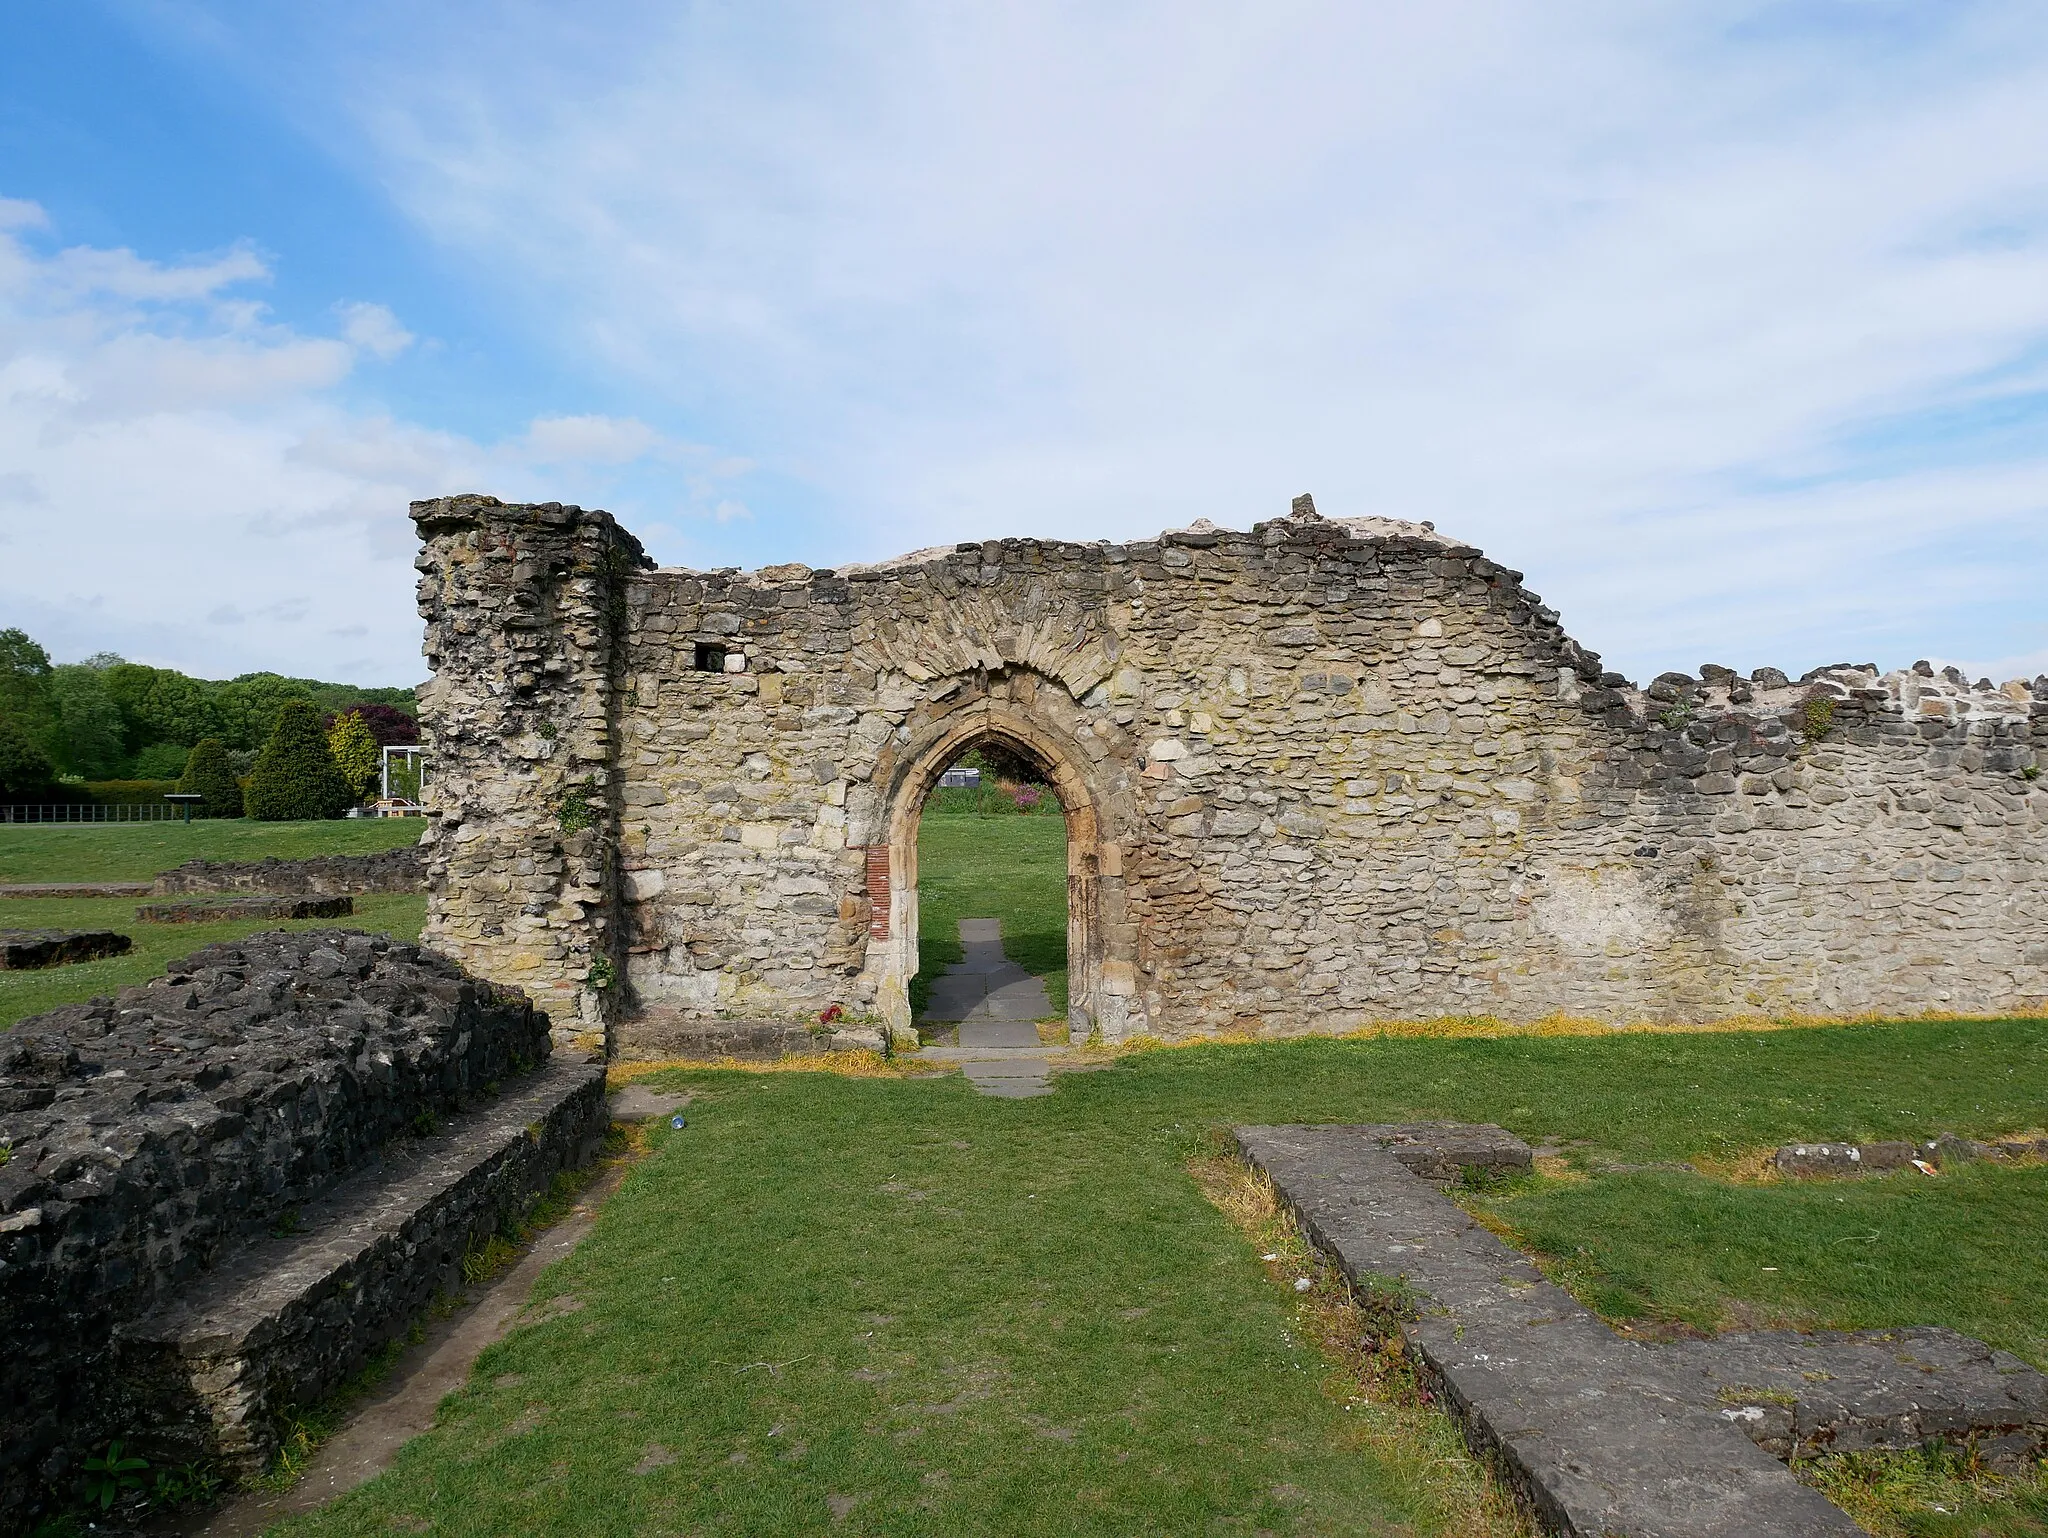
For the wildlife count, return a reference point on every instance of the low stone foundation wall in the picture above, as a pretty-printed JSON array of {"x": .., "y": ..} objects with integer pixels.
[
  {"x": 152, "y": 1135},
  {"x": 246, "y": 908},
  {"x": 393, "y": 870},
  {"x": 658, "y": 1035}
]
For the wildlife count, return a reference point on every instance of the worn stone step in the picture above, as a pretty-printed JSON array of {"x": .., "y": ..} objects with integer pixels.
[{"x": 289, "y": 1316}]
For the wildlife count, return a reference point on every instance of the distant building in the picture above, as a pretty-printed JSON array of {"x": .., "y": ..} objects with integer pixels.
[{"x": 959, "y": 777}]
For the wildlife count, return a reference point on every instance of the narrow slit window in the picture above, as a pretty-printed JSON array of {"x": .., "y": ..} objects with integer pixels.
[{"x": 710, "y": 657}]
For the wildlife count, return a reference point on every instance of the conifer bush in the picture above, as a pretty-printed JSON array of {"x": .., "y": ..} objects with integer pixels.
[
  {"x": 208, "y": 773},
  {"x": 295, "y": 776},
  {"x": 355, "y": 752}
]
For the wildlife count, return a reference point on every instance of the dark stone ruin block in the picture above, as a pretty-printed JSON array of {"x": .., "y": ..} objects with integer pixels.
[
  {"x": 23, "y": 950},
  {"x": 247, "y": 908}
]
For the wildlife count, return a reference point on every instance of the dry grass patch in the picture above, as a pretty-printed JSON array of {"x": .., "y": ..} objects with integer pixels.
[
  {"x": 862, "y": 1064},
  {"x": 1370, "y": 1373}
]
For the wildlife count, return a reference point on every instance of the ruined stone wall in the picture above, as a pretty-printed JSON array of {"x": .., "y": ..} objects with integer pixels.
[
  {"x": 150, "y": 1133},
  {"x": 523, "y": 606},
  {"x": 1316, "y": 774}
]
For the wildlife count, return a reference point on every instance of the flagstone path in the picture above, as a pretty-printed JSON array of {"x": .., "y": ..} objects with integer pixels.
[{"x": 996, "y": 1002}]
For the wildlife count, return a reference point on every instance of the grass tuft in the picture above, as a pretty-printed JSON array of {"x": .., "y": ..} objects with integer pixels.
[{"x": 1938, "y": 1491}]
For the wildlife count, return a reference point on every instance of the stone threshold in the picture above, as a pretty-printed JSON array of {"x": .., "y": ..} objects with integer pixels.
[
  {"x": 288, "y": 1317},
  {"x": 1598, "y": 1435}
]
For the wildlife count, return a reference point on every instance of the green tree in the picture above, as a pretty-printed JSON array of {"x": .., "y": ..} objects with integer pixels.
[
  {"x": 161, "y": 705},
  {"x": 25, "y": 688},
  {"x": 248, "y": 706},
  {"x": 355, "y": 752},
  {"x": 88, "y": 721},
  {"x": 296, "y": 776},
  {"x": 25, "y": 769},
  {"x": 208, "y": 773}
]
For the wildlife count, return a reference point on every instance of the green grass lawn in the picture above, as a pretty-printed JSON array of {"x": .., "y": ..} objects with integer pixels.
[
  {"x": 892, "y": 1306},
  {"x": 1004, "y": 866},
  {"x": 30, "y": 993},
  {"x": 137, "y": 851}
]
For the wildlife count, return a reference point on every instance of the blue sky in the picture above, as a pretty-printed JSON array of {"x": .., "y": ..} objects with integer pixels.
[{"x": 1726, "y": 323}]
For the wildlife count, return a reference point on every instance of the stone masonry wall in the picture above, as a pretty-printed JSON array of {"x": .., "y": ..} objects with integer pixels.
[
  {"x": 1317, "y": 773},
  {"x": 523, "y": 608},
  {"x": 149, "y": 1133}
]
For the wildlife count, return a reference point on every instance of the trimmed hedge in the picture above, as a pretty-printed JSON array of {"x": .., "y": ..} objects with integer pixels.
[
  {"x": 295, "y": 777},
  {"x": 129, "y": 792}
]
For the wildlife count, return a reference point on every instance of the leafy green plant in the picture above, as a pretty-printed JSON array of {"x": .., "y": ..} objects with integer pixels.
[
  {"x": 296, "y": 777},
  {"x": 546, "y": 731},
  {"x": 112, "y": 1474},
  {"x": 2031, "y": 772},
  {"x": 576, "y": 811},
  {"x": 1677, "y": 718},
  {"x": 190, "y": 1484},
  {"x": 602, "y": 973},
  {"x": 1817, "y": 717}
]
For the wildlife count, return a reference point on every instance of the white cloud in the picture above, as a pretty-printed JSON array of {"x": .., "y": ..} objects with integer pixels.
[
  {"x": 1697, "y": 314},
  {"x": 593, "y": 439},
  {"x": 180, "y": 482},
  {"x": 374, "y": 329}
]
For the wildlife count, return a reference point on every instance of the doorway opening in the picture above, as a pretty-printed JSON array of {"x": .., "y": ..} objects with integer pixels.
[{"x": 992, "y": 901}]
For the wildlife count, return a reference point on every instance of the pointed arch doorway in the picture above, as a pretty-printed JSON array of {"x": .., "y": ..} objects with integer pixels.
[{"x": 893, "y": 870}]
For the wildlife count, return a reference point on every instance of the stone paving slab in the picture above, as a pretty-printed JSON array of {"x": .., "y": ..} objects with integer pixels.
[
  {"x": 1844, "y": 1391},
  {"x": 984, "y": 984},
  {"x": 23, "y": 950},
  {"x": 1596, "y": 1438},
  {"x": 76, "y": 889},
  {"x": 641, "y": 1102},
  {"x": 1010, "y": 1078},
  {"x": 998, "y": 1033}
]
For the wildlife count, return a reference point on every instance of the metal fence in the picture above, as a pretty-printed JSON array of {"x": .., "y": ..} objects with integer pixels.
[{"x": 94, "y": 811}]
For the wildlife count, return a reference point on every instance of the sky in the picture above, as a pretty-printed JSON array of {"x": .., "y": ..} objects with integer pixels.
[{"x": 1726, "y": 323}]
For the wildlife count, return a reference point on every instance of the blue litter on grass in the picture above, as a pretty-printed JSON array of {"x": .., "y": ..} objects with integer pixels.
[{"x": 678, "y": 1123}]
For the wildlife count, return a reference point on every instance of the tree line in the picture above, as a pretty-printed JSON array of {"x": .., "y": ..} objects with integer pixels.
[{"x": 110, "y": 719}]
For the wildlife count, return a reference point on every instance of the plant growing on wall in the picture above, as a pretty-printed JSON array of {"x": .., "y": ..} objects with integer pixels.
[
  {"x": 295, "y": 775},
  {"x": 208, "y": 773},
  {"x": 1817, "y": 717},
  {"x": 576, "y": 811}
]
